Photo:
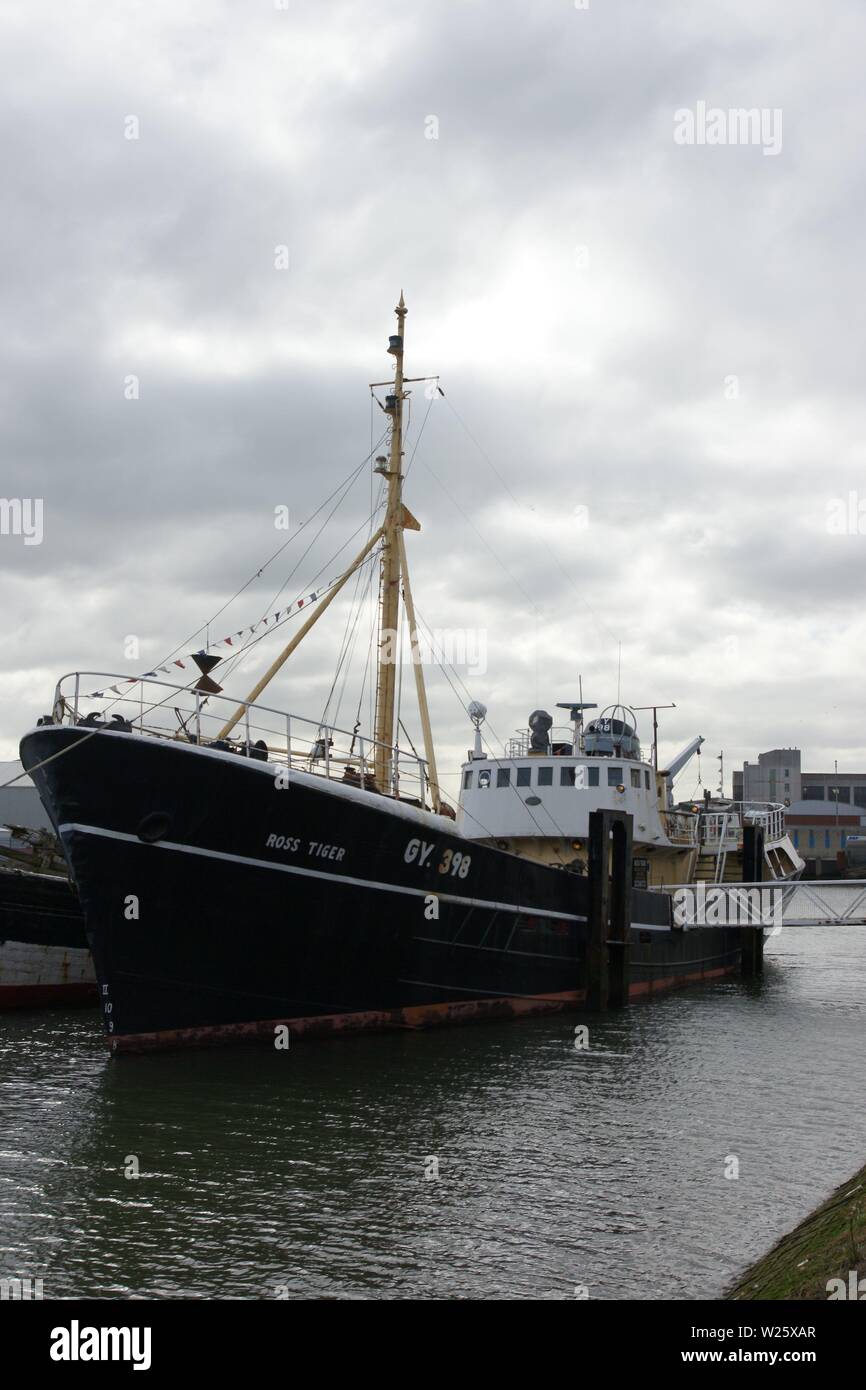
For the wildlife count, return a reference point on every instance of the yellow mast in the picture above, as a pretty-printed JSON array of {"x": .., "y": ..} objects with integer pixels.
[
  {"x": 389, "y": 576},
  {"x": 393, "y": 568}
]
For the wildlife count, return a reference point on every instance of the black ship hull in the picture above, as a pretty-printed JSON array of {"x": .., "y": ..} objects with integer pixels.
[{"x": 219, "y": 905}]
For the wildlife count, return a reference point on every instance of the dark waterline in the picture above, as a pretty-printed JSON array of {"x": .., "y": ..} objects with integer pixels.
[{"x": 304, "y": 1170}]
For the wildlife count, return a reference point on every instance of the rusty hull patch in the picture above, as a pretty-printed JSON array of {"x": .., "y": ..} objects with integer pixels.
[{"x": 414, "y": 1017}]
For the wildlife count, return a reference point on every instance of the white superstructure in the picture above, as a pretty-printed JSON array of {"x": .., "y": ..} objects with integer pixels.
[{"x": 537, "y": 798}]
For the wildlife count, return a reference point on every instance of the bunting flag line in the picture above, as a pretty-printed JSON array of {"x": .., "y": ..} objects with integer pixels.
[
  {"x": 294, "y": 607},
  {"x": 282, "y": 613}
]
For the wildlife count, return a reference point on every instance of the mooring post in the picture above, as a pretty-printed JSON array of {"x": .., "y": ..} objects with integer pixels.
[
  {"x": 620, "y": 915},
  {"x": 607, "y": 951},
  {"x": 752, "y": 949},
  {"x": 753, "y": 853}
]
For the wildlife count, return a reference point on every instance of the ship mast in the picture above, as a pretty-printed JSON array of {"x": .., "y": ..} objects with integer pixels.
[
  {"x": 393, "y": 570},
  {"x": 389, "y": 576}
]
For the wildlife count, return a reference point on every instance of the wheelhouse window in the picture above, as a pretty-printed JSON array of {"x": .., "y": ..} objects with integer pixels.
[
  {"x": 614, "y": 776},
  {"x": 503, "y": 776},
  {"x": 524, "y": 776},
  {"x": 635, "y": 776},
  {"x": 467, "y": 781},
  {"x": 484, "y": 778},
  {"x": 646, "y": 780},
  {"x": 566, "y": 776},
  {"x": 545, "y": 777},
  {"x": 592, "y": 776}
]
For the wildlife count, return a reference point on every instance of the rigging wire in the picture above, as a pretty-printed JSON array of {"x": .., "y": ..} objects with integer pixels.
[
  {"x": 355, "y": 632},
  {"x": 347, "y": 484},
  {"x": 247, "y": 647},
  {"x": 252, "y": 640},
  {"x": 347, "y": 481},
  {"x": 442, "y": 663},
  {"x": 350, "y": 633},
  {"x": 340, "y": 500},
  {"x": 418, "y": 440}
]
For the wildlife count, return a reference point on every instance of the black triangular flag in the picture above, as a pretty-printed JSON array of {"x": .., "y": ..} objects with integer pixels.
[
  {"x": 205, "y": 661},
  {"x": 207, "y": 686}
]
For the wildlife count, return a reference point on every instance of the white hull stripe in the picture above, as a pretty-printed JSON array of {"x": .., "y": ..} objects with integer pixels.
[{"x": 70, "y": 827}]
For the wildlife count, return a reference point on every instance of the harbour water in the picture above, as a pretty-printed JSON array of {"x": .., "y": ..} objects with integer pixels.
[{"x": 312, "y": 1172}]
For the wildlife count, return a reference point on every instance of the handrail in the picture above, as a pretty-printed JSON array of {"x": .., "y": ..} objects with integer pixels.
[
  {"x": 189, "y": 705},
  {"x": 727, "y": 823}
]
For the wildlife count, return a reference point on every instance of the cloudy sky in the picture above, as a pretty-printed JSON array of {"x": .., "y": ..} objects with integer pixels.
[{"x": 651, "y": 347}]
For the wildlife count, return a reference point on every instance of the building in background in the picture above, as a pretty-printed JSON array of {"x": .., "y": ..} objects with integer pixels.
[
  {"x": 775, "y": 776},
  {"x": 823, "y": 808},
  {"x": 20, "y": 804}
]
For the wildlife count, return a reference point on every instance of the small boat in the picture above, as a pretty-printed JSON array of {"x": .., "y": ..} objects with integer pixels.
[{"x": 45, "y": 960}]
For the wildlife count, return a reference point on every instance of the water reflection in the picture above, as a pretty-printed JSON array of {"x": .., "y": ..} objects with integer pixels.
[{"x": 311, "y": 1171}]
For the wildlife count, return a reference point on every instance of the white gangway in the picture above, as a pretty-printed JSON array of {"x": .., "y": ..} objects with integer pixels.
[{"x": 773, "y": 903}]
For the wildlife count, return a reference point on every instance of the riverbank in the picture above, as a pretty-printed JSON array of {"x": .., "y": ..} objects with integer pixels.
[{"x": 829, "y": 1245}]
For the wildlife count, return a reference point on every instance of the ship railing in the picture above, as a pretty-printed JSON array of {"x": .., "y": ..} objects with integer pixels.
[
  {"x": 518, "y": 746},
  {"x": 162, "y": 709},
  {"x": 725, "y": 827},
  {"x": 721, "y": 830},
  {"x": 681, "y": 827}
]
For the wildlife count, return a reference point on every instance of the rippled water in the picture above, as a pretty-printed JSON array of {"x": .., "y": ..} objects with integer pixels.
[{"x": 304, "y": 1171}]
